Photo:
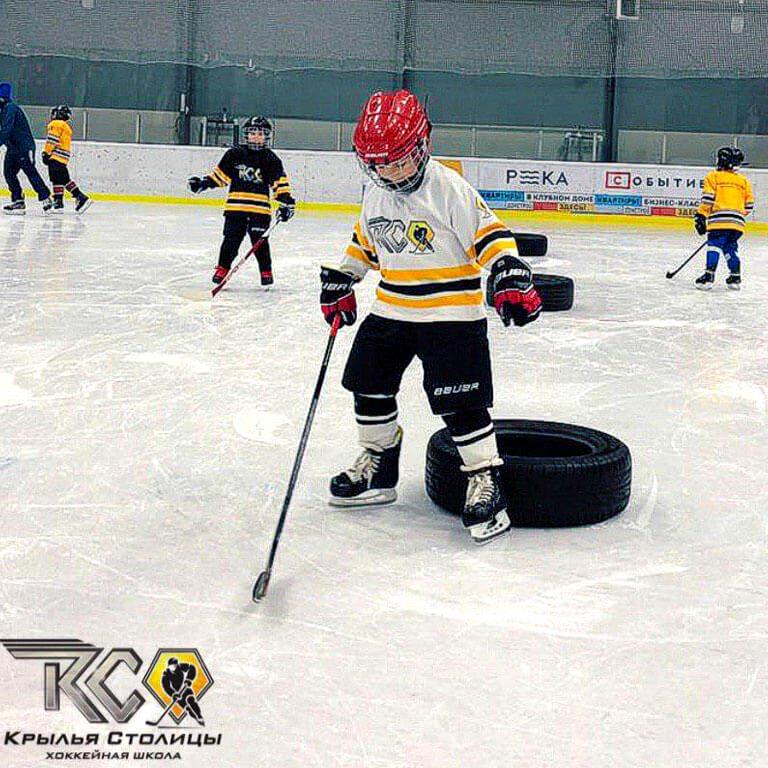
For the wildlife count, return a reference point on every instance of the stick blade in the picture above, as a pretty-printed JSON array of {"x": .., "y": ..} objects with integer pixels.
[
  {"x": 670, "y": 275},
  {"x": 260, "y": 587}
]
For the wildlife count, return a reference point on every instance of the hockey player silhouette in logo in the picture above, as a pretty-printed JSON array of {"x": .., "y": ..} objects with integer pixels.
[
  {"x": 176, "y": 682},
  {"x": 421, "y": 235}
]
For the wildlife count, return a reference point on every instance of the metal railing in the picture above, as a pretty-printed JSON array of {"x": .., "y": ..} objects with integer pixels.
[
  {"x": 683, "y": 148},
  {"x": 449, "y": 139}
]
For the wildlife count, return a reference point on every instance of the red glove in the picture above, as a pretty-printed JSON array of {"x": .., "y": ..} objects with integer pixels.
[
  {"x": 511, "y": 293},
  {"x": 337, "y": 296}
]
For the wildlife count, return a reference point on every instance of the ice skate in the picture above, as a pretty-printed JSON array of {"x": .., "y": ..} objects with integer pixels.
[
  {"x": 47, "y": 205},
  {"x": 83, "y": 204},
  {"x": 267, "y": 278},
  {"x": 15, "y": 208},
  {"x": 707, "y": 281},
  {"x": 58, "y": 206},
  {"x": 372, "y": 479},
  {"x": 485, "y": 508},
  {"x": 733, "y": 281}
]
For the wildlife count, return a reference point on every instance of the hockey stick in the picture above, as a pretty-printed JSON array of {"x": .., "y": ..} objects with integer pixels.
[
  {"x": 261, "y": 584},
  {"x": 174, "y": 701},
  {"x": 672, "y": 274},
  {"x": 255, "y": 247}
]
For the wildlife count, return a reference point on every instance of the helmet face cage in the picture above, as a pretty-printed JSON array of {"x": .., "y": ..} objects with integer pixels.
[
  {"x": 62, "y": 112},
  {"x": 258, "y": 131},
  {"x": 402, "y": 175}
]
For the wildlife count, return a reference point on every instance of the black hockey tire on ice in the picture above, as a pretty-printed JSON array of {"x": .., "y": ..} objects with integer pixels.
[
  {"x": 530, "y": 245},
  {"x": 555, "y": 475},
  {"x": 556, "y": 292}
]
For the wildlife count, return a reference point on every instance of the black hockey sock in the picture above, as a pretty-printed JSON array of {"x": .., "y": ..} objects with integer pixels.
[
  {"x": 58, "y": 193},
  {"x": 264, "y": 257},
  {"x": 474, "y": 435},
  {"x": 376, "y": 417},
  {"x": 228, "y": 251},
  {"x": 73, "y": 189}
]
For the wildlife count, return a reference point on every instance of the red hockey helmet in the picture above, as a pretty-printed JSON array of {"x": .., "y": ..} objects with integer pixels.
[{"x": 391, "y": 140}]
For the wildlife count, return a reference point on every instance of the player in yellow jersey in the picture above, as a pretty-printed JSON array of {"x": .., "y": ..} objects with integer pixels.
[
  {"x": 56, "y": 155},
  {"x": 726, "y": 200}
]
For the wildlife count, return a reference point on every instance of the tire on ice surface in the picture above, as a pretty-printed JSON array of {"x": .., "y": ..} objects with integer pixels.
[
  {"x": 556, "y": 292},
  {"x": 555, "y": 475},
  {"x": 530, "y": 245}
]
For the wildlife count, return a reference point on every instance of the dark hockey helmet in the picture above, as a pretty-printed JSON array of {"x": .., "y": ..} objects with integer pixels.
[
  {"x": 172, "y": 662},
  {"x": 728, "y": 158},
  {"x": 257, "y": 132},
  {"x": 391, "y": 140},
  {"x": 62, "y": 112}
]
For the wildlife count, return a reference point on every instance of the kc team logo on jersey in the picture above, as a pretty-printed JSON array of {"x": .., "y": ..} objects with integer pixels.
[
  {"x": 394, "y": 235},
  {"x": 247, "y": 173},
  {"x": 421, "y": 235}
]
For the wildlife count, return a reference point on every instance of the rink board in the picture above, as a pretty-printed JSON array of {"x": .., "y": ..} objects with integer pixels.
[{"x": 597, "y": 193}]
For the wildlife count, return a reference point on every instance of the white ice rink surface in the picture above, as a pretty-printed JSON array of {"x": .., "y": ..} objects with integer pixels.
[{"x": 145, "y": 448}]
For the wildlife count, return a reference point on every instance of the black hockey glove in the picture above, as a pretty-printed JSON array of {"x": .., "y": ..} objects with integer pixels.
[
  {"x": 510, "y": 291},
  {"x": 285, "y": 211},
  {"x": 196, "y": 184},
  {"x": 46, "y": 158},
  {"x": 700, "y": 222},
  {"x": 337, "y": 296}
]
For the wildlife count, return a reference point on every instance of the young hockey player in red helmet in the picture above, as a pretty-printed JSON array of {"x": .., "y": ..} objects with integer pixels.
[
  {"x": 429, "y": 234},
  {"x": 251, "y": 170}
]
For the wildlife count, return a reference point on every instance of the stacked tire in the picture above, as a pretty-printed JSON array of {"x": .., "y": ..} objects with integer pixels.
[
  {"x": 530, "y": 245},
  {"x": 556, "y": 292}
]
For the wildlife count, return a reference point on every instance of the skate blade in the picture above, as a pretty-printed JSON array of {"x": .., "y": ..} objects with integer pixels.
[
  {"x": 15, "y": 213},
  {"x": 707, "y": 287},
  {"x": 375, "y": 496},
  {"x": 57, "y": 211},
  {"x": 483, "y": 533},
  {"x": 734, "y": 287},
  {"x": 84, "y": 207}
]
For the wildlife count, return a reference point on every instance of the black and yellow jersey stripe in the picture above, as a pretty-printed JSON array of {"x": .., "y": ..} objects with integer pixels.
[
  {"x": 431, "y": 287},
  {"x": 491, "y": 241},
  {"x": 58, "y": 141},
  {"x": 253, "y": 176},
  {"x": 361, "y": 249},
  {"x": 726, "y": 200}
]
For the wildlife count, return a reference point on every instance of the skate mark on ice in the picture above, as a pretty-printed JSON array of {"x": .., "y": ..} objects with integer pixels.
[
  {"x": 10, "y": 394},
  {"x": 643, "y": 518},
  {"x": 260, "y": 426},
  {"x": 563, "y": 611},
  {"x": 184, "y": 362}
]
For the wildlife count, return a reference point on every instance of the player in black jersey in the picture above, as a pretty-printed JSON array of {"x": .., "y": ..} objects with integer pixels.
[{"x": 251, "y": 170}]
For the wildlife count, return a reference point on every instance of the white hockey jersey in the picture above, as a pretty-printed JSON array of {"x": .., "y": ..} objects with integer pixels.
[{"x": 429, "y": 246}]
